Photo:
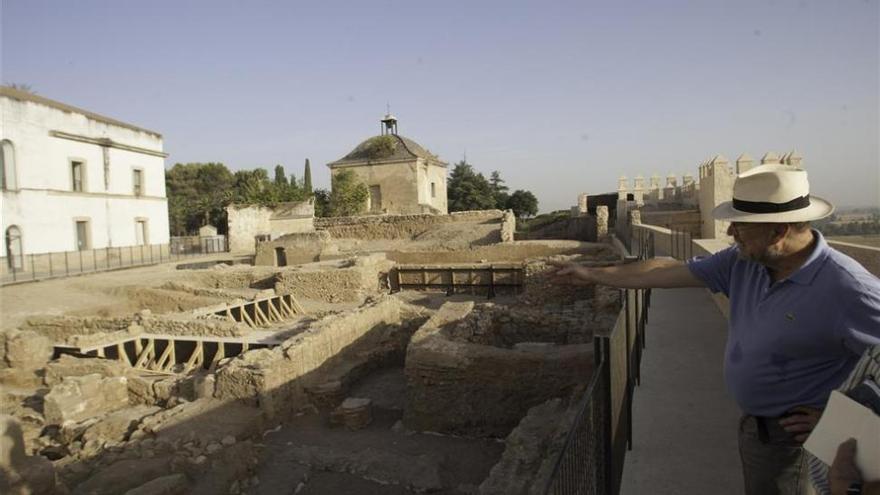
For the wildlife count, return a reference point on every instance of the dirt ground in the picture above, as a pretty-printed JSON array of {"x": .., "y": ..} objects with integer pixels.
[
  {"x": 89, "y": 294},
  {"x": 383, "y": 449}
]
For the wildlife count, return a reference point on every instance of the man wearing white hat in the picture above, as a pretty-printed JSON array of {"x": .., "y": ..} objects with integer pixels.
[{"x": 801, "y": 313}]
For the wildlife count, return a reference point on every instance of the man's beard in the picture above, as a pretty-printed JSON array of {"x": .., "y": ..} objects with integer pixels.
[{"x": 769, "y": 256}]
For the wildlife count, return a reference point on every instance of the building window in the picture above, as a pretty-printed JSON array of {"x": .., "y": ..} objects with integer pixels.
[
  {"x": 142, "y": 234},
  {"x": 137, "y": 181},
  {"x": 433, "y": 189},
  {"x": 14, "y": 253},
  {"x": 77, "y": 175},
  {"x": 7, "y": 165},
  {"x": 82, "y": 235}
]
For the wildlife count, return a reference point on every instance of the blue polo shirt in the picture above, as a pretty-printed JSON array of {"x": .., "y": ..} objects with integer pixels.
[{"x": 792, "y": 342}]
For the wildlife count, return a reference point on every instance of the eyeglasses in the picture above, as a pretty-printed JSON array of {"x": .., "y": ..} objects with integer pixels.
[{"x": 740, "y": 227}]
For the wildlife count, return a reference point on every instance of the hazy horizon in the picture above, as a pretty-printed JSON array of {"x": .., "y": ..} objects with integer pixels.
[{"x": 560, "y": 98}]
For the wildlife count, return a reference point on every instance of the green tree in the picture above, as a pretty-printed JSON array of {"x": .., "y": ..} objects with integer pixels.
[
  {"x": 322, "y": 202},
  {"x": 348, "y": 195},
  {"x": 197, "y": 195},
  {"x": 468, "y": 190},
  {"x": 499, "y": 190},
  {"x": 280, "y": 177},
  {"x": 307, "y": 178},
  {"x": 253, "y": 187},
  {"x": 523, "y": 203}
]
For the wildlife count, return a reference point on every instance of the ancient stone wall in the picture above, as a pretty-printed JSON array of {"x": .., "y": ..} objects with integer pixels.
[
  {"x": 342, "y": 281},
  {"x": 244, "y": 224},
  {"x": 467, "y": 388},
  {"x": 514, "y": 251},
  {"x": 82, "y": 331},
  {"x": 579, "y": 228},
  {"x": 296, "y": 249},
  {"x": 381, "y": 227},
  {"x": 680, "y": 220},
  {"x": 274, "y": 378}
]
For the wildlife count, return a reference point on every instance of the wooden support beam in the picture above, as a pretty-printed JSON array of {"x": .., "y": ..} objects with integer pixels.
[
  {"x": 287, "y": 308},
  {"x": 246, "y": 317},
  {"x": 221, "y": 353},
  {"x": 260, "y": 317},
  {"x": 161, "y": 363},
  {"x": 266, "y": 306},
  {"x": 122, "y": 355},
  {"x": 196, "y": 358},
  {"x": 295, "y": 305},
  {"x": 146, "y": 354},
  {"x": 272, "y": 309}
]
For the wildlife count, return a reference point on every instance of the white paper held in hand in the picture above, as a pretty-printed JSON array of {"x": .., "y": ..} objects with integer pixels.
[{"x": 845, "y": 418}]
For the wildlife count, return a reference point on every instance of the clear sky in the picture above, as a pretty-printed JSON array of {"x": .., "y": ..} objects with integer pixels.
[{"x": 560, "y": 97}]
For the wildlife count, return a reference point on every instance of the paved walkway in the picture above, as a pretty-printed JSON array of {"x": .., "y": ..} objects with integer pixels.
[{"x": 684, "y": 423}]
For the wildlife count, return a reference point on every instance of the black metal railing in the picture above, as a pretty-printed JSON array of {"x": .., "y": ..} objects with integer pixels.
[
  {"x": 591, "y": 461},
  {"x": 43, "y": 266}
]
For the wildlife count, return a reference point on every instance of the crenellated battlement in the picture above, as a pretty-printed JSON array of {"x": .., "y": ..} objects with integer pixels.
[{"x": 712, "y": 186}]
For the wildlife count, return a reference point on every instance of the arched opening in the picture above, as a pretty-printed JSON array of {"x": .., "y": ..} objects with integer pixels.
[
  {"x": 14, "y": 253},
  {"x": 7, "y": 166}
]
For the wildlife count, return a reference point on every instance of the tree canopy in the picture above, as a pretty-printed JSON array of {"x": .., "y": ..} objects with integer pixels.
[
  {"x": 468, "y": 189},
  {"x": 523, "y": 203},
  {"x": 198, "y": 193},
  {"x": 348, "y": 195}
]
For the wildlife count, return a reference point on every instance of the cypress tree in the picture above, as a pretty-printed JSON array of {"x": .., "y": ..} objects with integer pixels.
[{"x": 307, "y": 178}]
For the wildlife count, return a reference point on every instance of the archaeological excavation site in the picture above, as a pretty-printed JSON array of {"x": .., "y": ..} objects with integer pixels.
[{"x": 388, "y": 354}]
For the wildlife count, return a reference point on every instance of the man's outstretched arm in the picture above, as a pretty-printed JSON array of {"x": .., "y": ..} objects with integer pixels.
[{"x": 647, "y": 274}]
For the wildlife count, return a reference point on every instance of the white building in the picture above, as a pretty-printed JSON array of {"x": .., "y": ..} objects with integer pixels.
[{"x": 74, "y": 180}]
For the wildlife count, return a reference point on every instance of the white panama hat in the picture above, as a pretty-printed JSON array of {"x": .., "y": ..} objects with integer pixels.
[{"x": 773, "y": 194}]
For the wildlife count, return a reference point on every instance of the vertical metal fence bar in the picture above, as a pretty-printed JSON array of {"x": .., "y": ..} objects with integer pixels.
[
  {"x": 66, "y": 265},
  {"x": 33, "y": 268},
  {"x": 80, "y": 261},
  {"x": 94, "y": 260},
  {"x": 50, "y": 264}
]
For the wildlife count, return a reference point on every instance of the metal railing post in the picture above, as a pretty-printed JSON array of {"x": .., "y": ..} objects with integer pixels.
[
  {"x": 66, "y": 265},
  {"x": 50, "y": 264},
  {"x": 33, "y": 268}
]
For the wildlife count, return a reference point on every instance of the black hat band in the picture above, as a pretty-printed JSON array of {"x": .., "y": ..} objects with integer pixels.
[{"x": 766, "y": 207}]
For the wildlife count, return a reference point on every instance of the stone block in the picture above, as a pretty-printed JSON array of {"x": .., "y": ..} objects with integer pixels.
[
  {"x": 140, "y": 389},
  {"x": 68, "y": 366},
  {"x": 83, "y": 397},
  {"x": 25, "y": 349},
  {"x": 204, "y": 385},
  {"x": 117, "y": 426}
]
